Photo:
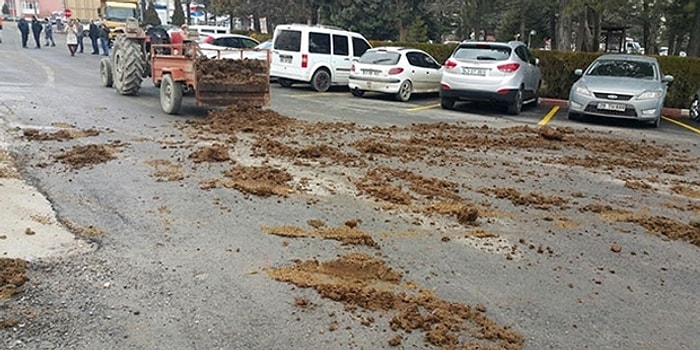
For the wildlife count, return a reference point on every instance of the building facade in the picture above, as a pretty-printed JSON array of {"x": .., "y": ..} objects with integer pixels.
[{"x": 29, "y": 8}]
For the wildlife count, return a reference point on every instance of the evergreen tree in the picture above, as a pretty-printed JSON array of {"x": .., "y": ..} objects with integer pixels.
[
  {"x": 418, "y": 31},
  {"x": 151, "y": 16},
  {"x": 5, "y": 9},
  {"x": 178, "y": 17}
]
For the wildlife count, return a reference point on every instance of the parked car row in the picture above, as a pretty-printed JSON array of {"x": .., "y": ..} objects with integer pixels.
[{"x": 506, "y": 74}]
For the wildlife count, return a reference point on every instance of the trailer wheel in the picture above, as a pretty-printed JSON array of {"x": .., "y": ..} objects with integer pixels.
[
  {"x": 106, "y": 72},
  {"x": 170, "y": 95},
  {"x": 129, "y": 65}
]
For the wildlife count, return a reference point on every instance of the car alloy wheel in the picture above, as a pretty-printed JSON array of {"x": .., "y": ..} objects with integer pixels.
[
  {"x": 695, "y": 109},
  {"x": 357, "y": 92},
  {"x": 404, "y": 93},
  {"x": 516, "y": 106},
  {"x": 447, "y": 103}
]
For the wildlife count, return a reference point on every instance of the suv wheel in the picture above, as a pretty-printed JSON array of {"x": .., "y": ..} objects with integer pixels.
[
  {"x": 321, "y": 80},
  {"x": 516, "y": 106},
  {"x": 694, "y": 109},
  {"x": 447, "y": 103}
]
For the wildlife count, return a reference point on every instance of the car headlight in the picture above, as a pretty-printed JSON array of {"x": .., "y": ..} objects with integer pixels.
[
  {"x": 583, "y": 90},
  {"x": 648, "y": 95}
]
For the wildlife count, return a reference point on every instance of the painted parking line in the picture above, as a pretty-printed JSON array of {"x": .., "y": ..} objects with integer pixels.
[
  {"x": 549, "y": 116},
  {"x": 312, "y": 94},
  {"x": 683, "y": 125},
  {"x": 421, "y": 108}
]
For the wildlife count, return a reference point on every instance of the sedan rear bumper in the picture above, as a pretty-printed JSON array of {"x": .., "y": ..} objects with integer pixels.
[{"x": 375, "y": 84}]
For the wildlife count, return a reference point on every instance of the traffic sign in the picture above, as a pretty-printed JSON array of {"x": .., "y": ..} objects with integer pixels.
[{"x": 67, "y": 13}]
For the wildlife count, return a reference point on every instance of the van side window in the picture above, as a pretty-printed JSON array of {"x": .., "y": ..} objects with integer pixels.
[
  {"x": 340, "y": 45},
  {"x": 288, "y": 40},
  {"x": 359, "y": 47},
  {"x": 319, "y": 43}
]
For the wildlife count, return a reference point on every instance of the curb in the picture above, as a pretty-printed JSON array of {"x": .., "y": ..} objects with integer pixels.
[{"x": 676, "y": 113}]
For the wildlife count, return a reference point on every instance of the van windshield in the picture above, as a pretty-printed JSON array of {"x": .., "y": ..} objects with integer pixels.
[{"x": 288, "y": 40}]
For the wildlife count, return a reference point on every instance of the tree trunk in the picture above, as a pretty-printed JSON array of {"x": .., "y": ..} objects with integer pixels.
[
  {"x": 563, "y": 32},
  {"x": 694, "y": 42}
]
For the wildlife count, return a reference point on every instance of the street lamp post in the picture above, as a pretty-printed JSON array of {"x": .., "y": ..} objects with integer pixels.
[{"x": 529, "y": 37}]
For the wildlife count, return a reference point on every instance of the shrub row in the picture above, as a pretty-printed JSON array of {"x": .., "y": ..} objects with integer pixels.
[{"x": 557, "y": 68}]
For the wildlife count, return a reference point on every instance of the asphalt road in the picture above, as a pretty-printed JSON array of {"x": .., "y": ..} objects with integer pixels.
[{"x": 182, "y": 268}]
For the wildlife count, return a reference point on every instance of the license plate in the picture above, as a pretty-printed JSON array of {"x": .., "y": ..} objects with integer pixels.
[
  {"x": 611, "y": 106},
  {"x": 370, "y": 72},
  {"x": 285, "y": 59},
  {"x": 473, "y": 71}
]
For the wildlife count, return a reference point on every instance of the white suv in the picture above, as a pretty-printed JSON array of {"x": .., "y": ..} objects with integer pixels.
[
  {"x": 504, "y": 73},
  {"x": 321, "y": 56}
]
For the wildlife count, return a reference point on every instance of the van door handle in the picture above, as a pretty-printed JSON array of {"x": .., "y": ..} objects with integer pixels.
[{"x": 347, "y": 59}]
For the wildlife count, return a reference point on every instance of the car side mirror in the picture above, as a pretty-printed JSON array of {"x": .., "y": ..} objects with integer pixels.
[
  {"x": 578, "y": 72},
  {"x": 667, "y": 79},
  {"x": 536, "y": 61}
]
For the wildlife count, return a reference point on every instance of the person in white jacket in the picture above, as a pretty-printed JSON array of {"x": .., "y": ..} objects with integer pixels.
[{"x": 72, "y": 37}]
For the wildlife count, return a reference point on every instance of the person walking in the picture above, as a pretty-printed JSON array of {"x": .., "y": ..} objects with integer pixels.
[
  {"x": 72, "y": 37},
  {"x": 48, "y": 32},
  {"x": 104, "y": 39},
  {"x": 1, "y": 19},
  {"x": 94, "y": 34},
  {"x": 23, "y": 27},
  {"x": 79, "y": 28},
  {"x": 36, "y": 31}
]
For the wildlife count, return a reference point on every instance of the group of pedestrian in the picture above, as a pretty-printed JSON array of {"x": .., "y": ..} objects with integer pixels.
[{"x": 74, "y": 35}]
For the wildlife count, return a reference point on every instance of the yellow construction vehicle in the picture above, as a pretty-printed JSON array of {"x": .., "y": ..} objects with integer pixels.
[{"x": 114, "y": 14}]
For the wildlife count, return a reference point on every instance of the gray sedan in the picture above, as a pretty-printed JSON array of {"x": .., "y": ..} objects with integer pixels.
[{"x": 620, "y": 86}]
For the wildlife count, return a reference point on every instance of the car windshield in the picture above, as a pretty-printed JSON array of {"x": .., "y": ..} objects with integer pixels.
[
  {"x": 623, "y": 68},
  {"x": 483, "y": 52},
  {"x": 380, "y": 57}
]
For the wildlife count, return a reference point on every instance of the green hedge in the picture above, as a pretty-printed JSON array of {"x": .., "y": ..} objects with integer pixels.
[{"x": 557, "y": 68}]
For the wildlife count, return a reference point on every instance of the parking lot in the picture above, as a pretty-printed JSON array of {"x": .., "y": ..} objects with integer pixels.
[{"x": 381, "y": 110}]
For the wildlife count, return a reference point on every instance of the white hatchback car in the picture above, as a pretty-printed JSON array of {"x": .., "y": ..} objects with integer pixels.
[
  {"x": 218, "y": 44},
  {"x": 401, "y": 71}
]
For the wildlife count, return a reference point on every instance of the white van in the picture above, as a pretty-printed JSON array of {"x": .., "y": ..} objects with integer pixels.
[{"x": 319, "y": 55}]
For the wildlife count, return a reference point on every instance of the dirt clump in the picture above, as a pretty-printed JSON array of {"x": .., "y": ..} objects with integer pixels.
[
  {"x": 12, "y": 276},
  {"x": 686, "y": 191},
  {"x": 60, "y": 135},
  {"x": 655, "y": 224},
  {"x": 165, "y": 170},
  {"x": 358, "y": 280},
  {"x": 214, "y": 153},
  {"x": 234, "y": 119},
  {"x": 466, "y": 214},
  {"x": 7, "y": 166},
  {"x": 262, "y": 181},
  {"x": 637, "y": 185},
  {"x": 316, "y": 223},
  {"x": 87, "y": 155},
  {"x": 86, "y": 231},
  {"x": 550, "y": 133},
  {"x": 344, "y": 234}
]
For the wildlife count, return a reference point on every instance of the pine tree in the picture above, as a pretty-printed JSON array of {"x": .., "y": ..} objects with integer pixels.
[
  {"x": 5, "y": 9},
  {"x": 151, "y": 16},
  {"x": 178, "y": 17}
]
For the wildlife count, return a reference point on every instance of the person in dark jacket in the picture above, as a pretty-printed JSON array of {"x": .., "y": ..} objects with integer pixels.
[
  {"x": 104, "y": 39},
  {"x": 36, "y": 31},
  {"x": 94, "y": 34},
  {"x": 23, "y": 27}
]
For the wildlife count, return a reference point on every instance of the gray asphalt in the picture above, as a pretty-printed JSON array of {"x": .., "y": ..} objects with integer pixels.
[{"x": 190, "y": 276}]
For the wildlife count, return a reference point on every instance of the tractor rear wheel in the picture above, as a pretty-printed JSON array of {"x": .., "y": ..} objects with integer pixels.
[{"x": 129, "y": 65}]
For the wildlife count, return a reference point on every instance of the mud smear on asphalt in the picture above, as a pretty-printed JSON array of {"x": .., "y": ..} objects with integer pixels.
[
  {"x": 60, "y": 135},
  {"x": 654, "y": 224},
  {"x": 535, "y": 200},
  {"x": 465, "y": 214},
  {"x": 165, "y": 170},
  {"x": 364, "y": 283},
  {"x": 347, "y": 234},
  {"x": 88, "y": 155},
  {"x": 84, "y": 231},
  {"x": 12, "y": 277},
  {"x": 7, "y": 166},
  {"x": 687, "y": 191},
  {"x": 264, "y": 181}
]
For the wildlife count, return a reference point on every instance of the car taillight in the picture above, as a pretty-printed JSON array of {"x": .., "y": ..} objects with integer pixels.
[
  {"x": 304, "y": 61},
  {"x": 395, "y": 70},
  {"x": 508, "y": 67},
  {"x": 449, "y": 64},
  {"x": 445, "y": 87},
  {"x": 209, "y": 39}
]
